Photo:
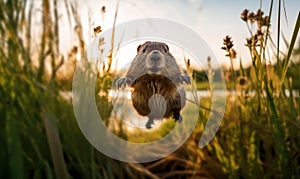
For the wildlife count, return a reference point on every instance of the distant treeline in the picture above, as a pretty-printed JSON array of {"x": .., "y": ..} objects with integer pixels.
[{"x": 293, "y": 73}]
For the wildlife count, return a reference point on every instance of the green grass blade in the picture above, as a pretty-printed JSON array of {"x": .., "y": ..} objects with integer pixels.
[
  {"x": 55, "y": 146},
  {"x": 15, "y": 151},
  {"x": 278, "y": 29},
  {"x": 292, "y": 44}
]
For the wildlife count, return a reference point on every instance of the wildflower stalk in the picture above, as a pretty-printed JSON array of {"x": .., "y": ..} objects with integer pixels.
[
  {"x": 231, "y": 53},
  {"x": 110, "y": 55},
  {"x": 233, "y": 73},
  {"x": 210, "y": 76}
]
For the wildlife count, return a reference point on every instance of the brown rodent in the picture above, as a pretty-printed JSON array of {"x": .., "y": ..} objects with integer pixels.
[{"x": 157, "y": 83}]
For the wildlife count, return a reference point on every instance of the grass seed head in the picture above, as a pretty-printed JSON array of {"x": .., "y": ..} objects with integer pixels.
[
  {"x": 244, "y": 15},
  {"x": 243, "y": 81},
  {"x": 103, "y": 9}
]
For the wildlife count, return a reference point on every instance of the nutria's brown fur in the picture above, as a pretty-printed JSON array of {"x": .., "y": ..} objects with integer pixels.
[{"x": 157, "y": 81}]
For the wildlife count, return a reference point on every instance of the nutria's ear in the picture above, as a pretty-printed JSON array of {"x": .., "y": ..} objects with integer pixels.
[{"x": 138, "y": 48}]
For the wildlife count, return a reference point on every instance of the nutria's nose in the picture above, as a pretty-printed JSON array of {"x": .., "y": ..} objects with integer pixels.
[{"x": 155, "y": 56}]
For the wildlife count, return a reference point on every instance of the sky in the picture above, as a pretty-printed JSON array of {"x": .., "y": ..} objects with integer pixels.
[{"x": 212, "y": 20}]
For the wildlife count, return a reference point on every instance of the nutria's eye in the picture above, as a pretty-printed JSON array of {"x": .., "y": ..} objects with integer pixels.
[
  {"x": 144, "y": 50},
  {"x": 165, "y": 50}
]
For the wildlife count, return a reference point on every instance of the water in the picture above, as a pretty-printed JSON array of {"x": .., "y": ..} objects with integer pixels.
[
  {"x": 201, "y": 93},
  {"x": 67, "y": 95},
  {"x": 123, "y": 109}
]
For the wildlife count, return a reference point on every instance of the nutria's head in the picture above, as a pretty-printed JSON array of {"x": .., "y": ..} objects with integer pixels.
[
  {"x": 153, "y": 58},
  {"x": 155, "y": 54}
]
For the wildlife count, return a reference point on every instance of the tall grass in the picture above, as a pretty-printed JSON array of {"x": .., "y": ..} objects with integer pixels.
[
  {"x": 269, "y": 149},
  {"x": 39, "y": 134}
]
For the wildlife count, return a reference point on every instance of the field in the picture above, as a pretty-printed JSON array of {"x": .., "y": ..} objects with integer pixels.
[{"x": 259, "y": 136}]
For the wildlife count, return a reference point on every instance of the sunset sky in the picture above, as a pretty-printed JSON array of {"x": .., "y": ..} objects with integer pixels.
[{"x": 211, "y": 19}]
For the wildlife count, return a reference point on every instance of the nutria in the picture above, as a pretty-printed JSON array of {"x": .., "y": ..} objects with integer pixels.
[{"x": 157, "y": 83}]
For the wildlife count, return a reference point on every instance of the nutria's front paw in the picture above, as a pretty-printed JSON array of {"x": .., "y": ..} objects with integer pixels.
[
  {"x": 185, "y": 79},
  {"x": 177, "y": 118},
  {"x": 124, "y": 81},
  {"x": 149, "y": 123}
]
